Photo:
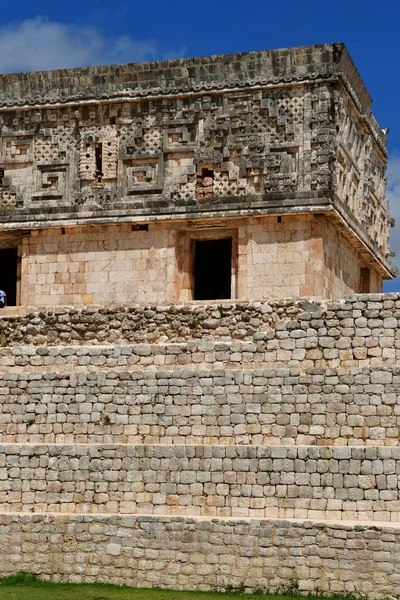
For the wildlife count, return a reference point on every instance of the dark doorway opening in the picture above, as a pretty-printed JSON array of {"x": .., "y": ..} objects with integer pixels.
[
  {"x": 365, "y": 280},
  {"x": 212, "y": 269},
  {"x": 8, "y": 274}
]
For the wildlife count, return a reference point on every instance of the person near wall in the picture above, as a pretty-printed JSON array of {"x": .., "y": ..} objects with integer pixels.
[{"x": 3, "y": 299}]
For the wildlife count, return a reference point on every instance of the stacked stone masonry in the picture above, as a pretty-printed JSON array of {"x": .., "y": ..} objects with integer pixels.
[
  {"x": 301, "y": 482},
  {"x": 360, "y": 328},
  {"x": 195, "y": 553},
  {"x": 204, "y": 446},
  {"x": 241, "y": 406}
]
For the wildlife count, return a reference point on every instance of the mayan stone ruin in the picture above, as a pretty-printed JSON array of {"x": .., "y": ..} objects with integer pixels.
[{"x": 199, "y": 373}]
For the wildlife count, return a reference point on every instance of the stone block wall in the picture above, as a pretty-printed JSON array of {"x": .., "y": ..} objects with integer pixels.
[
  {"x": 302, "y": 482},
  {"x": 223, "y": 406},
  {"x": 105, "y": 265},
  {"x": 196, "y": 553},
  {"x": 203, "y": 446},
  {"x": 113, "y": 265},
  {"x": 341, "y": 265}
]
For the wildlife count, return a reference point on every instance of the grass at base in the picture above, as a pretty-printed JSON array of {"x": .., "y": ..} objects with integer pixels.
[{"x": 24, "y": 586}]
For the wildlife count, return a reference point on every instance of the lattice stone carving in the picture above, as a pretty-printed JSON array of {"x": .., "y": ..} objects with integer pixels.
[
  {"x": 152, "y": 141},
  {"x": 283, "y": 116},
  {"x": 10, "y": 199},
  {"x": 139, "y": 140},
  {"x": 66, "y": 141},
  {"x": 45, "y": 150},
  {"x": 186, "y": 191},
  {"x": 224, "y": 185},
  {"x": 57, "y": 145}
]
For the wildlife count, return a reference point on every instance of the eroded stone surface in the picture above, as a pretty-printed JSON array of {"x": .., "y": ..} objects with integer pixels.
[{"x": 195, "y": 553}]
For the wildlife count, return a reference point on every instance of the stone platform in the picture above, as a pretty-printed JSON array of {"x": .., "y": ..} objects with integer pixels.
[{"x": 248, "y": 445}]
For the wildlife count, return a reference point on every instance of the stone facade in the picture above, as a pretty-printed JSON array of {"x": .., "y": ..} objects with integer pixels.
[{"x": 111, "y": 177}]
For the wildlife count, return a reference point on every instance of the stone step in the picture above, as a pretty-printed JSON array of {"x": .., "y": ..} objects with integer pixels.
[
  {"x": 205, "y": 553},
  {"x": 305, "y": 482},
  {"x": 204, "y": 354},
  {"x": 226, "y": 406},
  {"x": 15, "y": 311},
  {"x": 357, "y": 331}
]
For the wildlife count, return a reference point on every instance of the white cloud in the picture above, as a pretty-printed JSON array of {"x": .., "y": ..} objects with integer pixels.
[{"x": 40, "y": 44}]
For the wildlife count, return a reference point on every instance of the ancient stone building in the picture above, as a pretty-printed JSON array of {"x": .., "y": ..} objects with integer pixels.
[
  {"x": 248, "y": 442},
  {"x": 256, "y": 175}
]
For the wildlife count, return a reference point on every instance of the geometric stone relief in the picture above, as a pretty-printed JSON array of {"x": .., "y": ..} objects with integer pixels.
[
  {"x": 51, "y": 182},
  {"x": 95, "y": 195},
  {"x": 242, "y": 143},
  {"x": 9, "y": 197},
  {"x": 98, "y": 157},
  {"x": 87, "y": 158},
  {"x": 177, "y": 139},
  {"x": 17, "y": 149},
  {"x": 179, "y": 168},
  {"x": 360, "y": 173},
  {"x": 15, "y": 170},
  {"x": 142, "y": 173},
  {"x": 281, "y": 169},
  {"x": 232, "y": 136},
  {"x": 348, "y": 183},
  {"x": 110, "y": 155},
  {"x": 240, "y": 102}
]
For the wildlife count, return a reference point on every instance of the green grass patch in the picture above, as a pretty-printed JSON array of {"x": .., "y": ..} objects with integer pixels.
[{"x": 25, "y": 586}]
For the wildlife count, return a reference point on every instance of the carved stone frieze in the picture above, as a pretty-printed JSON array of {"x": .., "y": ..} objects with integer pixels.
[
  {"x": 96, "y": 195},
  {"x": 218, "y": 136}
]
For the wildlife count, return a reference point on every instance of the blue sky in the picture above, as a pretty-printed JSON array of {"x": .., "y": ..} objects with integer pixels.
[{"x": 47, "y": 34}]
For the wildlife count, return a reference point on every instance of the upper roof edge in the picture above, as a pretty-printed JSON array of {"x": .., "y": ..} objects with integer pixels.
[
  {"x": 169, "y": 76},
  {"x": 183, "y": 75},
  {"x": 194, "y": 60}
]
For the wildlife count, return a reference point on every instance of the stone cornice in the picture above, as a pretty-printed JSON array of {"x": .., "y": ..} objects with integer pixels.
[{"x": 188, "y": 75}]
